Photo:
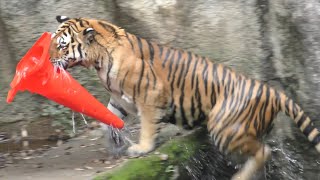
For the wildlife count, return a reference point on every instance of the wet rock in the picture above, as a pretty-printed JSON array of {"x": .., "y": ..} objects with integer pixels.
[
  {"x": 4, "y": 137},
  {"x": 164, "y": 157},
  {"x": 2, "y": 161},
  {"x": 56, "y": 137},
  {"x": 38, "y": 165},
  {"x": 106, "y": 162},
  {"x": 69, "y": 147}
]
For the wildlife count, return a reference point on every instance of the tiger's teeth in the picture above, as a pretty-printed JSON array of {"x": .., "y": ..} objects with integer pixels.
[{"x": 53, "y": 35}]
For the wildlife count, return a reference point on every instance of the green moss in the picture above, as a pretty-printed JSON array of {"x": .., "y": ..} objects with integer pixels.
[
  {"x": 179, "y": 150},
  {"x": 137, "y": 169}
]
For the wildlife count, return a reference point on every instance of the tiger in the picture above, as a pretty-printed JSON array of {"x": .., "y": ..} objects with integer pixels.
[{"x": 160, "y": 83}]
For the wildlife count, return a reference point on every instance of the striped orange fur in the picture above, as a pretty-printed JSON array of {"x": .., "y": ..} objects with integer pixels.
[{"x": 157, "y": 82}]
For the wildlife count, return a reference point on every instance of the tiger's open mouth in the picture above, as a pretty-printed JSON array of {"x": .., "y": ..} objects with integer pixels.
[
  {"x": 65, "y": 63},
  {"x": 60, "y": 63}
]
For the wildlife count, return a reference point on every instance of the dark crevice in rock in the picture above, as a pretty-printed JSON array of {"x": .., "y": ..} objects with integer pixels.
[
  {"x": 266, "y": 47},
  {"x": 7, "y": 46}
]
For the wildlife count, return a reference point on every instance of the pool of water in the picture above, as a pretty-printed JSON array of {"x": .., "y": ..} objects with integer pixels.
[{"x": 12, "y": 147}]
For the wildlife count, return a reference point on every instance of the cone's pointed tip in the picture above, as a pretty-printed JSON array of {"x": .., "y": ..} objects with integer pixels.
[
  {"x": 9, "y": 100},
  {"x": 119, "y": 124},
  {"x": 11, "y": 95},
  {"x": 116, "y": 123}
]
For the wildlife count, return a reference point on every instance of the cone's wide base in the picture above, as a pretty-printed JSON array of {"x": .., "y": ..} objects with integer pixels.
[{"x": 36, "y": 74}]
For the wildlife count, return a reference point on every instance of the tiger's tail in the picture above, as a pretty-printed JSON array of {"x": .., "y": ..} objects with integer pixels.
[{"x": 303, "y": 122}]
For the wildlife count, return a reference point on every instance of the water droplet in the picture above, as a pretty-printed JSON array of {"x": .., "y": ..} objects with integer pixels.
[
  {"x": 44, "y": 81},
  {"x": 35, "y": 60}
]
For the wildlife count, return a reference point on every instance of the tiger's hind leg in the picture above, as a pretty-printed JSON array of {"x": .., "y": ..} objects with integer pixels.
[{"x": 259, "y": 154}]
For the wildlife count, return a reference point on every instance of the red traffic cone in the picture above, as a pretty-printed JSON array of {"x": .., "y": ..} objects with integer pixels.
[{"x": 36, "y": 74}]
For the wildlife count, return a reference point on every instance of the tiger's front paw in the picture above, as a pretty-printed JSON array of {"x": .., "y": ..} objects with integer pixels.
[{"x": 137, "y": 150}]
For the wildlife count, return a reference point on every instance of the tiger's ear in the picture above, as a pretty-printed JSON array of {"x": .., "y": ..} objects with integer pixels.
[
  {"x": 62, "y": 19},
  {"x": 88, "y": 35}
]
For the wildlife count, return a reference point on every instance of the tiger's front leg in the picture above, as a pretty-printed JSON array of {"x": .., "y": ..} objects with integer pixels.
[
  {"x": 114, "y": 138},
  {"x": 150, "y": 118}
]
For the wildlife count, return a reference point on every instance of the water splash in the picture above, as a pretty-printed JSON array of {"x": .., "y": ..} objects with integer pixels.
[
  {"x": 24, "y": 71},
  {"x": 207, "y": 163},
  {"x": 59, "y": 69},
  {"x": 35, "y": 60},
  {"x": 73, "y": 123},
  {"x": 84, "y": 119},
  {"x": 118, "y": 138}
]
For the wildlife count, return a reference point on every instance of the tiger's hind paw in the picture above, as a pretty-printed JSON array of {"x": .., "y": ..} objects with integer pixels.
[{"x": 137, "y": 150}]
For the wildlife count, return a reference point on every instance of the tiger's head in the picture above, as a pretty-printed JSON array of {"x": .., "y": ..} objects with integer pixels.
[{"x": 80, "y": 41}]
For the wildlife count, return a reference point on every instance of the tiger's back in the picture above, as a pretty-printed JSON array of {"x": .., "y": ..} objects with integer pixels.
[
  {"x": 196, "y": 85},
  {"x": 154, "y": 81}
]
